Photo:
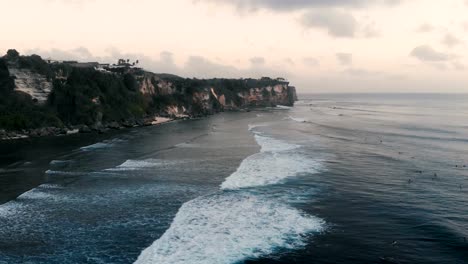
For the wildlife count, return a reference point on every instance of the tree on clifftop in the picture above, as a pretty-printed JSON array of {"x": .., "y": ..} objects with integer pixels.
[{"x": 12, "y": 54}]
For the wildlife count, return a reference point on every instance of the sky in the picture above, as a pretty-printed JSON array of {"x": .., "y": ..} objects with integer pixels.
[{"x": 320, "y": 46}]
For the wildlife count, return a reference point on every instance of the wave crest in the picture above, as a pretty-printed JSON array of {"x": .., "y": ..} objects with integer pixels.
[
  {"x": 275, "y": 162},
  {"x": 130, "y": 165},
  {"x": 227, "y": 228}
]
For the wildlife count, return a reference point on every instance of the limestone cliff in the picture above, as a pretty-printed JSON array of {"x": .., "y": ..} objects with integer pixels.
[
  {"x": 34, "y": 84},
  {"x": 213, "y": 96},
  {"x": 35, "y": 94}
]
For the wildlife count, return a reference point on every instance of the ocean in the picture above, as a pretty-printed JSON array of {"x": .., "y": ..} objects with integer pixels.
[{"x": 339, "y": 178}]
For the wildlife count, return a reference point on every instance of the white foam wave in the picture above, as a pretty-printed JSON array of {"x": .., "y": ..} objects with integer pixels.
[
  {"x": 99, "y": 145},
  {"x": 54, "y": 172},
  {"x": 228, "y": 228},
  {"x": 266, "y": 169},
  {"x": 35, "y": 194},
  {"x": 298, "y": 119},
  {"x": 269, "y": 144},
  {"x": 43, "y": 191},
  {"x": 130, "y": 165},
  {"x": 10, "y": 208},
  {"x": 104, "y": 144},
  {"x": 50, "y": 186},
  {"x": 253, "y": 126},
  {"x": 275, "y": 162},
  {"x": 59, "y": 162},
  {"x": 283, "y": 107}
]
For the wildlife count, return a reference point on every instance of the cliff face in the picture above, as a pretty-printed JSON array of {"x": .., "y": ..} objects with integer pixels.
[
  {"x": 34, "y": 84},
  {"x": 211, "y": 98},
  {"x": 35, "y": 94},
  {"x": 279, "y": 94}
]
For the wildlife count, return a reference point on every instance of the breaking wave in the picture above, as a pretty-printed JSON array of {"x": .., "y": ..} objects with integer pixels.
[
  {"x": 274, "y": 163},
  {"x": 231, "y": 226},
  {"x": 70, "y": 173},
  {"x": 131, "y": 165},
  {"x": 41, "y": 192},
  {"x": 101, "y": 145},
  {"x": 283, "y": 107},
  {"x": 60, "y": 162},
  {"x": 227, "y": 228},
  {"x": 298, "y": 119}
]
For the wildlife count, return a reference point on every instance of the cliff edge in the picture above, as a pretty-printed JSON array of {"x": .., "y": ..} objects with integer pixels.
[{"x": 39, "y": 97}]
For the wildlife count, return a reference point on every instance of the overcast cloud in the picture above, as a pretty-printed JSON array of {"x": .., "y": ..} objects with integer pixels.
[
  {"x": 292, "y": 5},
  {"x": 319, "y": 45},
  {"x": 427, "y": 53}
]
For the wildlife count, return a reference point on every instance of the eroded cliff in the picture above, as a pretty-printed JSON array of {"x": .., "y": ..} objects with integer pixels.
[
  {"x": 189, "y": 97},
  {"x": 62, "y": 97}
]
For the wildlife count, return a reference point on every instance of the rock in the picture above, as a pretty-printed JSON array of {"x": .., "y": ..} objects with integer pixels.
[
  {"x": 44, "y": 132},
  {"x": 85, "y": 129},
  {"x": 128, "y": 123},
  {"x": 113, "y": 125},
  {"x": 63, "y": 131},
  {"x": 34, "y": 133},
  {"x": 140, "y": 122},
  {"x": 148, "y": 121},
  {"x": 102, "y": 130}
]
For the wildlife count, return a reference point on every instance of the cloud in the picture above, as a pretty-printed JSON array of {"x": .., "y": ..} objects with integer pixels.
[
  {"x": 194, "y": 66},
  {"x": 336, "y": 23},
  {"x": 439, "y": 66},
  {"x": 370, "y": 30},
  {"x": 333, "y": 16},
  {"x": 464, "y": 25},
  {"x": 257, "y": 61},
  {"x": 80, "y": 53},
  {"x": 424, "y": 28},
  {"x": 450, "y": 40},
  {"x": 311, "y": 62},
  {"x": 293, "y": 5},
  {"x": 427, "y": 53},
  {"x": 289, "y": 61},
  {"x": 458, "y": 66},
  {"x": 344, "y": 58},
  {"x": 362, "y": 73},
  {"x": 198, "y": 66},
  {"x": 80, "y": 4}
]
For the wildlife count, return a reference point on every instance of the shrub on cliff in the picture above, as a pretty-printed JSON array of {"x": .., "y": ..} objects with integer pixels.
[
  {"x": 7, "y": 84},
  {"x": 18, "y": 110},
  {"x": 87, "y": 92}
]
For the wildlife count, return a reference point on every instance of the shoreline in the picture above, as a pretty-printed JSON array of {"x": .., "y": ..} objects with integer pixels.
[
  {"x": 100, "y": 128},
  {"x": 85, "y": 129}
]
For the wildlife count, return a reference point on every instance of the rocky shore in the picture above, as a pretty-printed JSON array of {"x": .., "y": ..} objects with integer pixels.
[
  {"x": 70, "y": 130},
  {"x": 40, "y": 98},
  {"x": 98, "y": 128}
]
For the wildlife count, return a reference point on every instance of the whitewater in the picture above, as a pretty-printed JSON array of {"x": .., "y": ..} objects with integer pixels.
[{"x": 238, "y": 222}]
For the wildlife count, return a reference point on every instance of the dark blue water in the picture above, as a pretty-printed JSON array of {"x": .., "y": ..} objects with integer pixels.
[{"x": 336, "y": 179}]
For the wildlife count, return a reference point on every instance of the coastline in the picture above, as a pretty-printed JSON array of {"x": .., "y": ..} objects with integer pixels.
[
  {"x": 83, "y": 129},
  {"x": 98, "y": 128}
]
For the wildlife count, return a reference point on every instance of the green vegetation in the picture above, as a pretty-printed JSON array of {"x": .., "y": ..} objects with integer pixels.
[
  {"x": 18, "y": 110},
  {"x": 87, "y": 96},
  {"x": 78, "y": 100},
  {"x": 88, "y": 92}
]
